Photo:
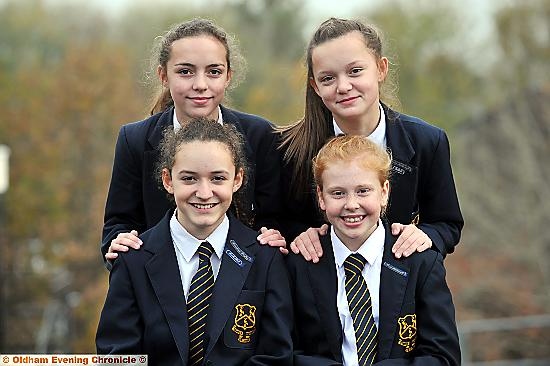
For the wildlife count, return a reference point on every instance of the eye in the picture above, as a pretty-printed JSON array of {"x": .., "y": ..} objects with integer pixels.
[
  {"x": 363, "y": 191},
  {"x": 337, "y": 194},
  {"x": 218, "y": 178},
  {"x": 215, "y": 72},
  {"x": 326, "y": 79},
  {"x": 355, "y": 70},
  {"x": 187, "y": 179},
  {"x": 184, "y": 72}
]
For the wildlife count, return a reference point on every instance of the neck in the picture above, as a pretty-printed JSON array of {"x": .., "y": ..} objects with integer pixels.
[{"x": 364, "y": 124}]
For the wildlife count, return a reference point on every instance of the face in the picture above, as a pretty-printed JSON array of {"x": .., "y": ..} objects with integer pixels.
[
  {"x": 197, "y": 75},
  {"x": 202, "y": 181},
  {"x": 352, "y": 198},
  {"x": 346, "y": 76}
]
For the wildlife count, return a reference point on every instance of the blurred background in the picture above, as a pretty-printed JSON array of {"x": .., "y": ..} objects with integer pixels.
[{"x": 72, "y": 72}]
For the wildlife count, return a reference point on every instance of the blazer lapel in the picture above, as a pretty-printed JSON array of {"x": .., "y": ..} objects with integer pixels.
[
  {"x": 231, "y": 278},
  {"x": 163, "y": 272},
  {"x": 393, "y": 283},
  {"x": 323, "y": 280},
  {"x": 404, "y": 180}
]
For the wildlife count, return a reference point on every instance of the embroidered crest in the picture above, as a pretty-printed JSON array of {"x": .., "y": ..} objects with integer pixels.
[
  {"x": 245, "y": 322},
  {"x": 407, "y": 332}
]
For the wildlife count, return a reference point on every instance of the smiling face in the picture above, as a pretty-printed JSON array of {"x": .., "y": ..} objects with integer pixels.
[
  {"x": 346, "y": 76},
  {"x": 352, "y": 197},
  {"x": 202, "y": 180},
  {"x": 197, "y": 75}
]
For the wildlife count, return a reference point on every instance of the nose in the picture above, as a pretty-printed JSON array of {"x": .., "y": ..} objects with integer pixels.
[
  {"x": 351, "y": 202},
  {"x": 343, "y": 86},
  {"x": 199, "y": 82},
  {"x": 204, "y": 190}
]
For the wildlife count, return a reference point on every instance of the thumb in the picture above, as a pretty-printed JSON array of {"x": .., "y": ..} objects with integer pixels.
[
  {"x": 324, "y": 228},
  {"x": 396, "y": 228},
  {"x": 134, "y": 232}
]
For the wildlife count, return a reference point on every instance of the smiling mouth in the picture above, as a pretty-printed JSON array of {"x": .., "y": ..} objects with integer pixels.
[
  {"x": 352, "y": 219},
  {"x": 203, "y": 206},
  {"x": 346, "y": 100}
]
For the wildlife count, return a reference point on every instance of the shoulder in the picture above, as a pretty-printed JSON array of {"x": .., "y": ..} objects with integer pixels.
[
  {"x": 249, "y": 122},
  {"x": 415, "y": 127}
]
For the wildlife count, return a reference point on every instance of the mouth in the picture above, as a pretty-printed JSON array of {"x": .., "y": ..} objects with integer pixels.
[
  {"x": 351, "y": 220},
  {"x": 346, "y": 100},
  {"x": 200, "y": 99},
  {"x": 204, "y": 206}
]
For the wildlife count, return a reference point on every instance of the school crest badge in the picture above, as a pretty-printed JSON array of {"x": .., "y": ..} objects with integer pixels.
[
  {"x": 245, "y": 322},
  {"x": 407, "y": 332}
]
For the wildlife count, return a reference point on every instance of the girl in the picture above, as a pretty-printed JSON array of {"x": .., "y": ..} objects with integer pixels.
[
  {"x": 201, "y": 290},
  {"x": 359, "y": 305},
  {"x": 195, "y": 63},
  {"x": 346, "y": 69}
]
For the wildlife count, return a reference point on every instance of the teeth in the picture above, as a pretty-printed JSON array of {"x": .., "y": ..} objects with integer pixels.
[
  {"x": 202, "y": 206},
  {"x": 353, "y": 219}
]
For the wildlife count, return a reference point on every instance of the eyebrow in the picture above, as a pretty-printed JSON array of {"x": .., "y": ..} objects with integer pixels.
[
  {"x": 221, "y": 171},
  {"x": 192, "y": 65}
]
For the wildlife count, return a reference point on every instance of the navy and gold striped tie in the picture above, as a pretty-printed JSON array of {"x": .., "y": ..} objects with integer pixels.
[
  {"x": 198, "y": 301},
  {"x": 360, "y": 307}
]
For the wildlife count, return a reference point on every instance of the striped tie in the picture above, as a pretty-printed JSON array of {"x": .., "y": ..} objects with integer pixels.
[
  {"x": 360, "y": 307},
  {"x": 197, "y": 304}
]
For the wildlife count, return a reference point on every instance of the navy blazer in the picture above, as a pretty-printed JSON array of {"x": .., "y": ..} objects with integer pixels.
[
  {"x": 136, "y": 202},
  {"x": 412, "y": 287},
  {"x": 422, "y": 187},
  {"x": 145, "y": 309}
]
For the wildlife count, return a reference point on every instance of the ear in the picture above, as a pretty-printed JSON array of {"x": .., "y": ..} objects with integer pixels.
[
  {"x": 385, "y": 193},
  {"x": 167, "y": 181},
  {"x": 229, "y": 77},
  {"x": 313, "y": 84},
  {"x": 383, "y": 68},
  {"x": 322, "y": 205},
  {"x": 238, "y": 181},
  {"x": 163, "y": 76}
]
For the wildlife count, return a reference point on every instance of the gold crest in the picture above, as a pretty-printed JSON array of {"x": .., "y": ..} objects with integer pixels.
[
  {"x": 407, "y": 332},
  {"x": 245, "y": 322}
]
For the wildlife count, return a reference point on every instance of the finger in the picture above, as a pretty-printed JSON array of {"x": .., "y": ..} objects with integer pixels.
[
  {"x": 314, "y": 246},
  {"x": 414, "y": 243},
  {"x": 111, "y": 256},
  {"x": 269, "y": 235},
  {"x": 118, "y": 248},
  {"x": 303, "y": 249},
  {"x": 424, "y": 246},
  {"x": 396, "y": 228},
  {"x": 323, "y": 229},
  {"x": 283, "y": 250},
  {"x": 277, "y": 243},
  {"x": 294, "y": 248},
  {"x": 129, "y": 242}
]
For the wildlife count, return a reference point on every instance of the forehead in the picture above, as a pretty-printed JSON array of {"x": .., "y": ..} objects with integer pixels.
[
  {"x": 204, "y": 152},
  {"x": 349, "y": 174},
  {"x": 196, "y": 48},
  {"x": 350, "y": 47}
]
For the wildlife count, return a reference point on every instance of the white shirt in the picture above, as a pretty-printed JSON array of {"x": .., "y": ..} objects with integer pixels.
[
  {"x": 177, "y": 124},
  {"x": 379, "y": 133},
  {"x": 186, "y": 250},
  {"x": 372, "y": 250}
]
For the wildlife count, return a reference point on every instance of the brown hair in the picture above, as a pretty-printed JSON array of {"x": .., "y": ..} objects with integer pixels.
[
  {"x": 303, "y": 139},
  {"x": 195, "y": 27},
  {"x": 204, "y": 129}
]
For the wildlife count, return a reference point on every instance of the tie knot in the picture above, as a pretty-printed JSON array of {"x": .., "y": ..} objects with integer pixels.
[
  {"x": 354, "y": 263},
  {"x": 205, "y": 251}
]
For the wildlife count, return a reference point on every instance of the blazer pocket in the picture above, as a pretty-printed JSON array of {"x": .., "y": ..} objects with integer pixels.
[
  {"x": 242, "y": 328},
  {"x": 407, "y": 328}
]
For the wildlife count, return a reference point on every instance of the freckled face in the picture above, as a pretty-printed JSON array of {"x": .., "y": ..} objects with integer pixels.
[
  {"x": 352, "y": 198},
  {"x": 197, "y": 75},
  {"x": 346, "y": 76},
  {"x": 202, "y": 180}
]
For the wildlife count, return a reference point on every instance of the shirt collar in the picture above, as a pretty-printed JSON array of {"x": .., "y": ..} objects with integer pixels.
[
  {"x": 379, "y": 133},
  {"x": 187, "y": 244},
  {"x": 177, "y": 124},
  {"x": 371, "y": 249}
]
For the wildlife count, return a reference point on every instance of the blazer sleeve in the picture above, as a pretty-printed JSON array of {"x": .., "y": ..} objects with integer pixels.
[
  {"x": 274, "y": 345},
  {"x": 437, "y": 335},
  {"x": 124, "y": 210},
  {"x": 440, "y": 216},
  {"x": 267, "y": 178},
  {"x": 120, "y": 326}
]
